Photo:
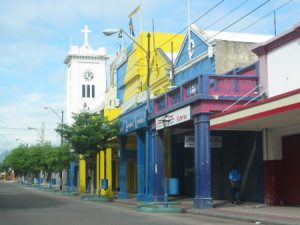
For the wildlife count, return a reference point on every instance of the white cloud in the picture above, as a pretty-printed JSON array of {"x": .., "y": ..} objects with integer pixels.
[
  {"x": 27, "y": 112},
  {"x": 35, "y": 39}
]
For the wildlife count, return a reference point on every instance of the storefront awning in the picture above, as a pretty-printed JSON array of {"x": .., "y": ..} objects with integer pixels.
[{"x": 278, "y": 111}]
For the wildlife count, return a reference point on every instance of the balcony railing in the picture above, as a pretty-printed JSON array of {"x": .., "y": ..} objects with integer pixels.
[{"x": 205, "y": 87}]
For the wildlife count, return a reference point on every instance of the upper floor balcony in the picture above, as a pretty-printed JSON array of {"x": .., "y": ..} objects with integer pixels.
[{"x": 207, "y": 86}]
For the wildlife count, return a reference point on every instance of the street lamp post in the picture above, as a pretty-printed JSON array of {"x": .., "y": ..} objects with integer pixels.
[
  {"x": 61, "y": 135},
  {"x": 166, "y": 121},
  {"x": 40, "y": 132},
  {"x": 109, "y": 32},
  {"x": 60, "y": 117}
]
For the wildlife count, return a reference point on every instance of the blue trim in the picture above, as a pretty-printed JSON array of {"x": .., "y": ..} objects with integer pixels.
[
  {"x": 149, "y": 166},
  {"x": 203, "y": 197},
  {"x": 121, "y": 75},
  {"x": 133, "y": 120},
  {"x": 200, "y": 48},
  {"x": 72, "y": 175},
  {"x": 141, "y": 166},
  {"x": 123, "y": 191},
  {"x": 158, "y": 167}
]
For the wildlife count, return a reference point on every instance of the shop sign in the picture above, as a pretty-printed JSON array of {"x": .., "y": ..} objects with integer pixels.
[
  {"x": 133, "y": 120},
  {"x": 215, "y": 141},
  {"x": 176, "y": 117},
  {"x": 189, "y": 141}
]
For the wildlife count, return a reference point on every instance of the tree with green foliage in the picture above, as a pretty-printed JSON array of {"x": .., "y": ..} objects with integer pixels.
[
  {"x": 57, "y": 159},
  {"x": 89, "y": 133},
  {"x": 18, "y": 160},
  {"x": 38, "y": 158}
]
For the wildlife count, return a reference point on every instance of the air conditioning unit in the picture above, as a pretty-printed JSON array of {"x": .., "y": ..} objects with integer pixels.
[{"x": 117, "y": 102}]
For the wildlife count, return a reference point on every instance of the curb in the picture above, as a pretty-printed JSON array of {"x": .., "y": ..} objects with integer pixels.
[
  {"x": 159, "y": 207},
  {"x": 159, "y": 210},
  {"x": 241, "y": 218},
  {"x": 95, "y": 198}
]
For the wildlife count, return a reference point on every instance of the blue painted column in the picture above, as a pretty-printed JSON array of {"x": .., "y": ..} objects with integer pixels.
[
  {"x": 141, "y": 165},
  {"x": 72, "y": 176},
  {"x": 148, "y": 166},
  {"x": 158, "y": 167},
  {"x": 123, "y": 192},
  {"x": 203, "y": 197}
]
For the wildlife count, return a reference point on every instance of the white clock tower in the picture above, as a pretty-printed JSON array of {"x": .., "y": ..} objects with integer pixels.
[{"x": 85, "y": 77}]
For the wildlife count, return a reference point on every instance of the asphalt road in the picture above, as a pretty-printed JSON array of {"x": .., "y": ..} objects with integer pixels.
[{"x": 21, "y": 206}]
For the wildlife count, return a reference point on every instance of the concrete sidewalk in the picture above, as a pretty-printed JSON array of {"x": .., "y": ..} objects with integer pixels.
[{"x": 252, "y": 212}]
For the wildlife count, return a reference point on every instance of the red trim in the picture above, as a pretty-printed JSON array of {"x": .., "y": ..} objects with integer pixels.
[
  {"x": 258, "y": 115},
  {"x": 277, "y": 97}
]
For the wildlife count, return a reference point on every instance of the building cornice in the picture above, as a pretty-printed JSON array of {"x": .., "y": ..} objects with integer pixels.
[
  {"x": 277, "y": 41},
  {"x": 84, "y": 57}
]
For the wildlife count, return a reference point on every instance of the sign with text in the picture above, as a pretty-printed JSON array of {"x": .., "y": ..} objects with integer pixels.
[
  {"x": 189, "y": 141},
  {"x": 215, "y": 141},
  {"x": 133, "y": 120},
  {"x": 176, "y": 117}
]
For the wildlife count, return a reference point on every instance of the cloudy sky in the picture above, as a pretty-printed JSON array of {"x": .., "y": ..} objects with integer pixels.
[{"x": 36, "y": 36}]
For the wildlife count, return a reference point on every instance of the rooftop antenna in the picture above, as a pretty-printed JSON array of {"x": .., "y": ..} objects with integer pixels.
[{"x": 274, "y": 17}]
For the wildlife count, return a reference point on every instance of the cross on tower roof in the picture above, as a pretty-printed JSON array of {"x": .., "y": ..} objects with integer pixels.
[{"x": 86, "y": 31}]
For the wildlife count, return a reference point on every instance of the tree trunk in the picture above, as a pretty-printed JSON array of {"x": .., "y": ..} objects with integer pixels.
[{"x": 61, "y": 181}]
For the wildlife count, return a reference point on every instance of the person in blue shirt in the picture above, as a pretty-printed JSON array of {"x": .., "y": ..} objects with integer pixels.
[{"x": 235, "y": 180}]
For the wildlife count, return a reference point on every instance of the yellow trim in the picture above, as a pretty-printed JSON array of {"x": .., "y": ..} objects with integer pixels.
[
  {"x": 102, "y": 170},
  {"x": 117, "y": 173},
  {"x": 109, "y": 171},
  {"x": 112, "y": 114},
  {"x": 98, "y": 173},
  {"x": 136, "y": 73},
  {"x": 82, "y": 174}
]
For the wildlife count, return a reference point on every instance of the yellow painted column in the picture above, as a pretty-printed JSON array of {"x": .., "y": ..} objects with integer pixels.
[
  {"x": 102, "y": 170},
  {"x": 82, "y": 174},
  {"x": 109, "y": 171},
  {"x": 98, "y": 173},
  {"x": 117, "y": 174}
]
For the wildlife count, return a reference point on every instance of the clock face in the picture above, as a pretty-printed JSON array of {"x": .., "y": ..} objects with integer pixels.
[{"x": 88, "y": 75}]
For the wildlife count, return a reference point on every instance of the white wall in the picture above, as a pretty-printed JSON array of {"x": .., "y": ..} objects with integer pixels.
[
  {"x": 75, "y": 80},
  {"x": 284, "y": 68},
  {"x": 273, "y": 141}
]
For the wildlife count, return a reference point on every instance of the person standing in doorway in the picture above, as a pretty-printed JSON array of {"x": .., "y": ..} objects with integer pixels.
[
  {"x": 235, "y": 180},
  {"x": 88, "y": 186}
]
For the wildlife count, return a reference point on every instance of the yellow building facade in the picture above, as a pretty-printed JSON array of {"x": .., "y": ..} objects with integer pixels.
[{"x": 127, "y": 89}]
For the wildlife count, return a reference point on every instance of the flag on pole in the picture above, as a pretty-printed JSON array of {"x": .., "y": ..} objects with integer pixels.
[
  {"x": 135, "y": 11},
  {"x": 131, "y": 28}
]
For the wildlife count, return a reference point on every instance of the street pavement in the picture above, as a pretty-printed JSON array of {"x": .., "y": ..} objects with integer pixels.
[
  {"x": 19, "y": 205},
  {"x": 28, "y": 206},
  {"x": 254, "y": 213}
]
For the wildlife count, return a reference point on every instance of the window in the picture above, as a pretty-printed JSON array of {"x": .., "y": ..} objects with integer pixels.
[
  {"x": 88, "y": 94},
  {"x": 175, "y": 97},
  {"x": 83, "y": 91},
  {"x": 161, "y": 104},
  {"x": 93, "y": 91},
  {"x": 191, "y": 89}
]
